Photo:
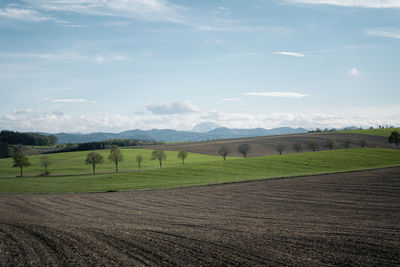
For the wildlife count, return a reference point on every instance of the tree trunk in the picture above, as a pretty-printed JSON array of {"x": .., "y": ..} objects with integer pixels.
[
  {"x": 94, "y": 168},
  {"x": 116, "y": 167},
  {"x": 20, "y": 168},
  {"x": 160, "y": 164}
]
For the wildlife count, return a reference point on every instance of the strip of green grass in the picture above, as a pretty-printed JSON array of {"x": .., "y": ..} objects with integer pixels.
[
  {"x": 71, "y": 163},
  {"x": 380, "y": 132},
  {"x": 212, "y": 172}
]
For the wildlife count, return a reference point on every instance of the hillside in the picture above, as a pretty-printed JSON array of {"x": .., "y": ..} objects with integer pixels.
[
  {"x": 380, "y": 132},
  {"x": 168, "y": 135},
  {"x": 266, "y": 145}
]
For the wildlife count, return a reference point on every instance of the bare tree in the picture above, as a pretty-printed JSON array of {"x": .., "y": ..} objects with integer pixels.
[
  {"x": 363, "y": 143},
  {"x": 280, "y": 149},
  {"x": 244, "y": 149},
  {"x": 116, "y": 156},
  {"x": 346, "y": 144},
  {"x": 313, "y": 145},
  {"x": 297, "y": 147},
  {"x": 21, "y": 161},
  {"x": 182, "y": 155},
  {"x": 93, "y": 158},
  {"x": 224, "y": 151},
  {"x": 159, "y": 155},
  {"x": 331, "y": 144},
  {"x": 139, "y": 159},
  {"x": 394, "y": 138},
  {"x": 45, "y": 162}
]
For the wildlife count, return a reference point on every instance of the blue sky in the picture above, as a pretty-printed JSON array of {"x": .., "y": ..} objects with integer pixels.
[{"x": 94, "y": 65}]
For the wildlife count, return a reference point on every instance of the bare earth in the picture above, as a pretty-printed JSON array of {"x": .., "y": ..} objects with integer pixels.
[
  {"x": 266, "y": 145},
  {"x": 350, "y": 218}
]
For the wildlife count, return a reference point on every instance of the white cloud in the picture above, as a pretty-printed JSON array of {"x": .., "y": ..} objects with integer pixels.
[
  {"x": 150, "y": 10},
  {"x": 99, "y": 58},
  {"x": 354, "y": 72},
  {"x": 293, "y": 54},
  {"x": 353, "y": 3},
  {"x": 278, "y": 94},
  {"x": 386, "y": 32},
  {"x": 53, "y": 122},
  {"x": 172, "y": 108},
  {"x": 69, "y": 100},
  {"x": 24, "y": 14}
]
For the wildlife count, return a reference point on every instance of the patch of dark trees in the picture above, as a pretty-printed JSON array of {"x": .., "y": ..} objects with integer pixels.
[
  {"x": 10, "y": 139},
  {"x": 31, "y": 139}
]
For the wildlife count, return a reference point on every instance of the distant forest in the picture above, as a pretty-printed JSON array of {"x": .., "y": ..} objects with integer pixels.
[
  {"x": 32, "y": 139},
  {"x": 16, "y": 142}
]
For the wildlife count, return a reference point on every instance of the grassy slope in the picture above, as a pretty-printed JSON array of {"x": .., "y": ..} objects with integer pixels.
[
  {"x": 212, "y": 172},
  {"x": 381, "y": 132},
  {"x": 74, "y": 162}
]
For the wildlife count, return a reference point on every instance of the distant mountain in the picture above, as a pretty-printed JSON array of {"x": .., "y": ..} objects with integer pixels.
[
  {"x": 169, "y": 135},
  {"x": 205, "y": 127}
]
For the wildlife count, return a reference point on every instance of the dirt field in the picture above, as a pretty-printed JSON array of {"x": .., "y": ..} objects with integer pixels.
[
  {"x": 266, "y": 145},
  {"x": 351, "y": 218}
]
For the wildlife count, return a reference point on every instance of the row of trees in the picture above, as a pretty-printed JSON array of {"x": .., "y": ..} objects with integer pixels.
[
  {"x": 21, "y": 161},
  {"x": 313, "y": 145},
  {"x": 116, "y": 156}
]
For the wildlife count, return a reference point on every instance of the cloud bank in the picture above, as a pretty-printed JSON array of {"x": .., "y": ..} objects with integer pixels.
[
  {"x": 55, "y": 122},
  {"x": 278, "y": 94}
]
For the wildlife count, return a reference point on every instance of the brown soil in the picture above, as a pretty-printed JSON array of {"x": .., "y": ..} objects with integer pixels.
[
  {"x": 266, "y": 145},
  {"x": 337, "y": 219}
]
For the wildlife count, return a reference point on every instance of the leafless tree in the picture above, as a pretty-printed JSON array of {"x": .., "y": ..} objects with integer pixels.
[
  {"x": 363, "y": 143},
  {"x": 182, "y": 155},
  {"x": 159, "y": 155},
  {"x": 346, "y": 144},
  {"x": 45, "y": 162},
  {"x": 244, "y": 149},
  {"x": 280, "y": 149},
  {"x": 313, "y": 145},
  {"x": 297, "y": 147},
  {"x": 331, "y": 144},
  {"x": 224, "y": 151},
  {"x": 139, "y": 159}
]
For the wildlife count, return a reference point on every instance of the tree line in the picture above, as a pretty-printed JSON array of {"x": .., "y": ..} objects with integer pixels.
[
  {"x": 21, "y": 161},
  {"x": 312, "y": 145}
]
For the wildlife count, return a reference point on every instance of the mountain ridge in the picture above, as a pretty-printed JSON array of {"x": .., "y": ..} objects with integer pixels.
[{"x": 169, "y": 135}]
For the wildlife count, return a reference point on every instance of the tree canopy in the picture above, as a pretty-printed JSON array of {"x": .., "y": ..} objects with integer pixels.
[
  {"x": 21, "y": 161},
  {"x": 394, "y": 138},
  {"x": 116, "y": 156},
  {"x": 159, "y": 155},
  {"x": 93, "y": 158}
]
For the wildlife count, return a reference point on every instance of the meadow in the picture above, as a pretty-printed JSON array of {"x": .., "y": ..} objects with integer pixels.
[{"x": 198, "y": 170}]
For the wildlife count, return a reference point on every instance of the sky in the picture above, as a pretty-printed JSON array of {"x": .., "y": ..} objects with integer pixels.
[{"x": 97, "y": 65}]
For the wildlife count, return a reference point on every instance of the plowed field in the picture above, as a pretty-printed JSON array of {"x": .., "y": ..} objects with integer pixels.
[
  {"x": 267, "y": 145},
  {"x": 349, "y": 218}
]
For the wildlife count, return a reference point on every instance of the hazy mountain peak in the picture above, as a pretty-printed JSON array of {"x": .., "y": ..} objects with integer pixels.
[{"x": 205, "y": 127}]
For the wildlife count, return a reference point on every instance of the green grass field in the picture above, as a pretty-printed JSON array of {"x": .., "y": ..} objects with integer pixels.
[
  {"x": 203, "y": 170},
  {"x": 381, "y": 132},
  {"x": 70, "y": 163}
]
